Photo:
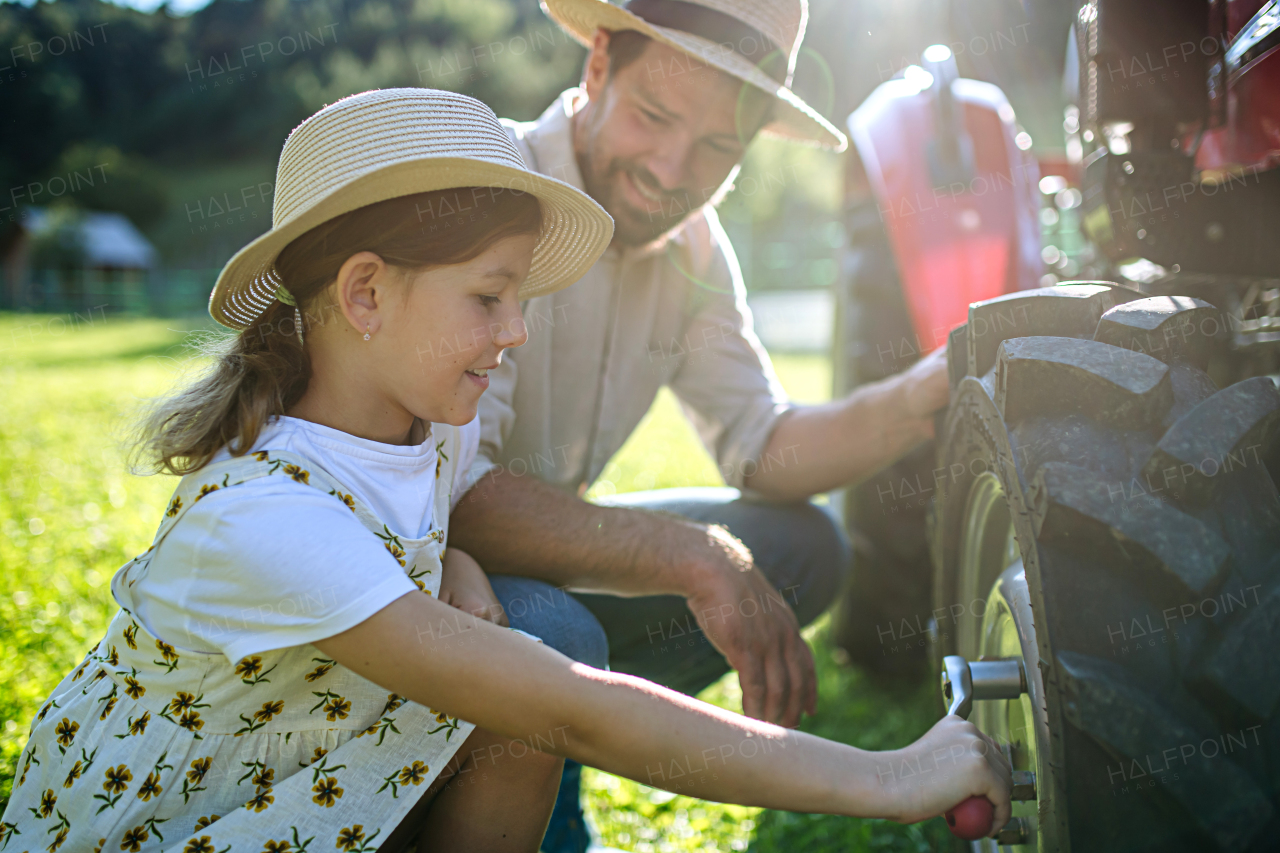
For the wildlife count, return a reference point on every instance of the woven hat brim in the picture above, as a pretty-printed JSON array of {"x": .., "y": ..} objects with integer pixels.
[
  {"x": 796, "y": 120},
  {"x": 575, "y": 229}
]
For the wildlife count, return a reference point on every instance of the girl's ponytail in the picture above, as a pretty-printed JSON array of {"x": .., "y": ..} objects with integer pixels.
[{"x": 262, "y": 371}]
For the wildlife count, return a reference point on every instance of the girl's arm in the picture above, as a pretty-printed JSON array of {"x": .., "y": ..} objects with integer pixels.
[{"x": 452, "y": 662}]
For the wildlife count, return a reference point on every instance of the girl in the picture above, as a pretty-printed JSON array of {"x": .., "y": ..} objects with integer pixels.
[{"x": 285, "y": 668}]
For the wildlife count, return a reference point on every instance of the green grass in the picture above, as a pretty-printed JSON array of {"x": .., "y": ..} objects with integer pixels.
[{"x": 71, "y": 515}]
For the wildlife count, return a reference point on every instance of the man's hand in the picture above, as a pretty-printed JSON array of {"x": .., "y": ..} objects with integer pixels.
[
  {"x": 925, "y": 385},
  {"x": 751, "y": 624},
  {"x": 465, "y": 586}
]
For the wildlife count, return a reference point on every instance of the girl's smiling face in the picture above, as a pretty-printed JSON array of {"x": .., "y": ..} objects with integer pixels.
[
  {"x": 434, "y": 334},
  {"x": 451, "y": 328}
]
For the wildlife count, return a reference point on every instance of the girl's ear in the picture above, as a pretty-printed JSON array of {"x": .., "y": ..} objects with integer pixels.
[{"x": 361, "y": 290}]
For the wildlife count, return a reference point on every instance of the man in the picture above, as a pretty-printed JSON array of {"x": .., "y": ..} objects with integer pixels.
[{"x": 671, "y": 94}]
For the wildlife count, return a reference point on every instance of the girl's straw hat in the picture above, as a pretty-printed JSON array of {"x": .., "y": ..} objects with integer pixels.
[
  {"x": 388, "y": 143},
  {"x": 754, "y": 40}
]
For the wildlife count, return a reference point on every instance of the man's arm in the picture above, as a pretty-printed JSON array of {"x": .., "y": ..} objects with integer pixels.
[
  {"x": 522, "y": 526},
  {"x": 817, "y": 448}
]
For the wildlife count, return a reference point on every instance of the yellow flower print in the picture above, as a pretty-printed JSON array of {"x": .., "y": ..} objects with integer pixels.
[
  {"x": 318, "y": 753},
  {"x": 117, "y": 782},
  {"x": 101, "y": 843},
  {"x": 150, "y": 787},
  {"x": 268, "y": 710},
  {"x": 416, "y": 574},
  {"x": 392, "y": 543},
  {"x": 276, "y": 846},
  {"x": 74, "y": 773},
  {"x": 250, "y": 670},
  {"x": 198, "y": 845},
  {"x": 261, "y": 717},
  {"x": 133, "y": 688},
  {"x": 260, "y": 455},
  {"x": 206, "y": 489},
  {"x": 134, "y": 839},
  {"x": 298, "y": 474},
  {"x": 264, "y": 778},
  {"x": 410, "y": 774},
  {"x": 174, "y": 506},
  {"x": 206, "y": 821},
  {"x": 66, "y": 731},
  {"x": 191, "y": 721},
  {"x": 113, "y": 658},
  {"x": 327, "y": 791},
  {"x": 249, "y": 667},
  {"x": 108, "y": 708},
  {"x": 138, "y": 726},
  {"x": 337, "y": 709},
  {"x": 413, "y": 774},
  {"x": 199, "y": 767},
  {"x": 58, "y": 840},
  {"x": 261, "y": 800},
  {"x": 321, "y": 670},
  {"x": 118, "y": 779},
  {"x": 131, "y": 636},
  {"x": 182, "y": 701},
  {"x": 170, "y": 662},
  {"x": 47, "y": 801},
  {"x": 351, "y": 838},
  {"x": 441, "y": 717},
  {"x": 347, "y": 500}
]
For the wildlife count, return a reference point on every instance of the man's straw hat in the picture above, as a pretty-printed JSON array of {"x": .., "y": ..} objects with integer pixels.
[
  {"x": 388, "y": 143},
  {"x": 754, "y": 40}
]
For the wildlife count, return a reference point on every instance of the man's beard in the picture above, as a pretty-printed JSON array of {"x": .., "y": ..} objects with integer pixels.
[{"x": 633, "y": 226}]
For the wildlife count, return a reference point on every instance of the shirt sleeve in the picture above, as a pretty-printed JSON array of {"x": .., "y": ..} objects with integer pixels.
[
  {"x": 728, "y": 388},
  {"x": 267, "y": 565}
]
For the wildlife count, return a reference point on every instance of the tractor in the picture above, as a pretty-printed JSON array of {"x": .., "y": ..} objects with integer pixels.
[{"x": 1088, "y": 554}]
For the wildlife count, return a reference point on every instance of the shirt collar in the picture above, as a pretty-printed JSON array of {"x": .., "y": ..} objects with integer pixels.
[{"x": 551, "y": 138}]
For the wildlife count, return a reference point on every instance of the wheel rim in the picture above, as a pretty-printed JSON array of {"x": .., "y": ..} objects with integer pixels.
[
  {"x": 997, "y": 623},
  {"x": 987, "y": 548}
]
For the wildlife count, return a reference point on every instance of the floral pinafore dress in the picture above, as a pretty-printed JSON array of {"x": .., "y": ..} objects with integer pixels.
[{"x": 146, "y": 747}]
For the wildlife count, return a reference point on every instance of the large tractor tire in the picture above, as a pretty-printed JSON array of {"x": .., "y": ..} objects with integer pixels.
[{"x": 1109, "y": 517}]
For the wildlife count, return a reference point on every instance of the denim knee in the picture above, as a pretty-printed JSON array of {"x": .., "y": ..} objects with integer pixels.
[
  {"x": 554, "y": 616},
  {"x": 828, "y": 558}
]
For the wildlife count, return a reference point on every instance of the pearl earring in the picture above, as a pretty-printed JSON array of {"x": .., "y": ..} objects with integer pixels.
[{"x": 366, "y": 333}]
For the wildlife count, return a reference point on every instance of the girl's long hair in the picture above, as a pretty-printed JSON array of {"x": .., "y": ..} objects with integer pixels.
[{"x": 263, "y": 370}]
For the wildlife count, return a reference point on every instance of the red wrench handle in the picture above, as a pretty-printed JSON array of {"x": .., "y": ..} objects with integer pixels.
[{"x": 971, "y": 819}]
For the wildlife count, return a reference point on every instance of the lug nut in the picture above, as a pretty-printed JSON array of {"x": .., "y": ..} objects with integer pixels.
[
  {"x": 1016, "y": 831},
  {"x": 1024, "y": 785}
]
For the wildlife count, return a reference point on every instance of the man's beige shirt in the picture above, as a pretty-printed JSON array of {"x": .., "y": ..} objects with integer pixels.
[{"x": 598, "y": 352}]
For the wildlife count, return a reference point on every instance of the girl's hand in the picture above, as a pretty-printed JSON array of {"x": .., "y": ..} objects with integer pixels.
[
  {"x": 465, "y": 586},
  {"x": 952, "y": 762}
]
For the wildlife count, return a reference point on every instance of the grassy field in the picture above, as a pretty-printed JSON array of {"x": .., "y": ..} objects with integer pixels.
[{"x": 71, "y": 515}]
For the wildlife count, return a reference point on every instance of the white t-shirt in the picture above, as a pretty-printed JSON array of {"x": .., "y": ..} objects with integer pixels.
[{"x": 273, "y": 563}]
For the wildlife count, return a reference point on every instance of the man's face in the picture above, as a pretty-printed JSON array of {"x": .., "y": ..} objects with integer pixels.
[{"x": 660, "y": 136}]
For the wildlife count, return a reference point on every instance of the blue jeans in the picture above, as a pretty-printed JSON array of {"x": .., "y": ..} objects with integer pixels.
[{"x": 799, "y": 547}]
